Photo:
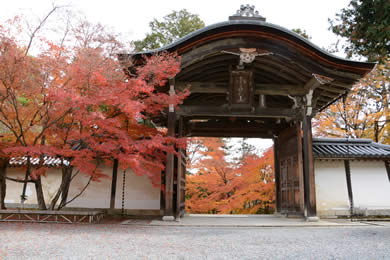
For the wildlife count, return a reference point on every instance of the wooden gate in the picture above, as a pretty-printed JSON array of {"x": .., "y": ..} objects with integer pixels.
[{"x": 291, "y": 186}]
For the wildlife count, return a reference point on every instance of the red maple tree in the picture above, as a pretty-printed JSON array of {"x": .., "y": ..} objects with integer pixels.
[{"x": 75, "y": 103}]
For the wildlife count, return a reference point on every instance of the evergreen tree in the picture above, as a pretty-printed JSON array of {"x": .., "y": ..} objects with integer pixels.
[
  {"x": 173, "y": 27},
  {"x": 366, "y": 27}
]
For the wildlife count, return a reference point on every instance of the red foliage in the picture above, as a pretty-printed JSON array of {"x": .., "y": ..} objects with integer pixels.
[{"x": 79, "y": 96}]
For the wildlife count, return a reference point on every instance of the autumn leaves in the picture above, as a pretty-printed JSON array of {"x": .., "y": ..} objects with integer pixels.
[{"x": 72, "y": 100}]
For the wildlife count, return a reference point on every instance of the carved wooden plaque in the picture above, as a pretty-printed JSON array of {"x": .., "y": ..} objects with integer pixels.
[{"x": 241, "y": 88}]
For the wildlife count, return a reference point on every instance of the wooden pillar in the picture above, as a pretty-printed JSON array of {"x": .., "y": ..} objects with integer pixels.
[
  {"x": 113, "y": 183},
  {"x": 170, "y": 167},
  {"x": 308, "y": 170},
  {"x": 277, "y": 175},
  {"x": 180, "y": 161}
]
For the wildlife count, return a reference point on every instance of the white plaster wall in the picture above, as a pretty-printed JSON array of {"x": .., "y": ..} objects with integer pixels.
[
  {"x": 97, "y": 194},
  {"x": 139, "y": 192},
  {"x": 331, "y": 187},
  {"x": 370, "y": 185},
  {"x": 50, "y": 184}
]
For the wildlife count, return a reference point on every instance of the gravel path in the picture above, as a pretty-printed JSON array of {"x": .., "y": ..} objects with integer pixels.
[{"x": 113, "y": 241}]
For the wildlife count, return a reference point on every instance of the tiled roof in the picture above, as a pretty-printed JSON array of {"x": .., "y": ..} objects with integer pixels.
[
  {"x": 47, "y": 161},
  {"x": 338, "y": 148}
]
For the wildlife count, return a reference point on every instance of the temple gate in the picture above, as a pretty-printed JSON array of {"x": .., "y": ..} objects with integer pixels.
[{"x": 250, "y": 78}]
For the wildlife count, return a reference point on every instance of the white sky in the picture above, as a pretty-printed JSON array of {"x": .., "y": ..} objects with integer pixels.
[{"x": 131, "y": 18}]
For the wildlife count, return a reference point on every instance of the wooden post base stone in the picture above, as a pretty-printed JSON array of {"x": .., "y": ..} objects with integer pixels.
[
  {"x": 168, "y": 218},
  {"x": 312, "y": 219}
]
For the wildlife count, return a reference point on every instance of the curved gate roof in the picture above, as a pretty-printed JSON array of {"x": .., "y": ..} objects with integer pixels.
[{"x": 295, "y": 66}]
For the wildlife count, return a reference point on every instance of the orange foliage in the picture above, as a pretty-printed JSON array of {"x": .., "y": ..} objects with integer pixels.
[
  {"x": 223, "y": 187},
  {"x": 367, "y": 109}
]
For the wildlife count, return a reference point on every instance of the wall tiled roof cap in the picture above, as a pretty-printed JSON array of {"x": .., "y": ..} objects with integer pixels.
[
  {"x": 47, "y": 161},
  {"x": 340, "y": 148}
]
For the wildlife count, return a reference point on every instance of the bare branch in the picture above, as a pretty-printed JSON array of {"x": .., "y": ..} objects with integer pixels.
[
  {"x": 78, "y": 195},
  {"x": 17, "y": 180},
  {"x": 74, "y": 175},
  {"x": 35, "y": 31}
]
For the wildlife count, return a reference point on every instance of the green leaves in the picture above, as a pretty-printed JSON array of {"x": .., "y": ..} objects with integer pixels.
[
  {"x": 302, "y": 33},
  {"x": 366, "y": 25},
  {"x": 173, "y": 27},
  {"x": 23, "y": 101}
]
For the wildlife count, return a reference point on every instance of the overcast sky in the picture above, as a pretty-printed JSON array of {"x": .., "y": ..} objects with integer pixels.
[{"x": 131, "y": 18}]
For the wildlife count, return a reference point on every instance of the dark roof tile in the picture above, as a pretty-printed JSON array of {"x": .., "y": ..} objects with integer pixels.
[{"x": 338, "y": 148}]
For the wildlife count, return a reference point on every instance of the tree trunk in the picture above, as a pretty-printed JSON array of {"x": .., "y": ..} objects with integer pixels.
[
  {"x": 64, "y": 195},
  {"x": 3, "y": 185},
  {"x": 376, "y": 131},
  {"x": 27, "y": 175},
  {"x": 63, "y": 190},
  {"x": 39, "y": 191}
]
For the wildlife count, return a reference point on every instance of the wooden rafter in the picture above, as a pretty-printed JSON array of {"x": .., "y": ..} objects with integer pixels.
[
  {"x": 223, "y": 111},
  {"x": 222, "y": 88}
]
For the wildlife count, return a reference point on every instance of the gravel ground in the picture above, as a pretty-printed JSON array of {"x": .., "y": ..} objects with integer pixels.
[{"x": 113, "y": 241}]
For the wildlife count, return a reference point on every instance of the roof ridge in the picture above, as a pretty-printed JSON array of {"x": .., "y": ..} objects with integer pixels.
[{"x": 342, "y": 140}]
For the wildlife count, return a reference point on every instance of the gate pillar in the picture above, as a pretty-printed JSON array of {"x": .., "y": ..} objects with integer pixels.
[
  {"x": 291, "y": 187},
  {"x": 277, "y": 175},
  {"x": 170, "y": 163},
  {"x": 308, "y": 170}
]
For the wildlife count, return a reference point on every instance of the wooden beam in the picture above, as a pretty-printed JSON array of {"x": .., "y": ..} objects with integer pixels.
[
  {"x": 343, "y": 84},
  {"x": 202, "y": 87},
  {"x": 113, "y": 183},
  {"x": 281, "y": 90},
  {"x": 324, "y": 99},
  {"x": 332, "y": 89},
  {"x": 209, "y": 72},
  {"x": 277, "y": 73},
  {"x": 223, "y": 111},
  {"x": 312, "y": 84},
  {"x": 243, "y": 126},
  {"x": 209, "y": 61},
  {"x": 260, "y": 89},
  {"x": 287, "y": 66},
  {"x": 216, "y": 133},
  {"x": 330, "y": 95}
]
